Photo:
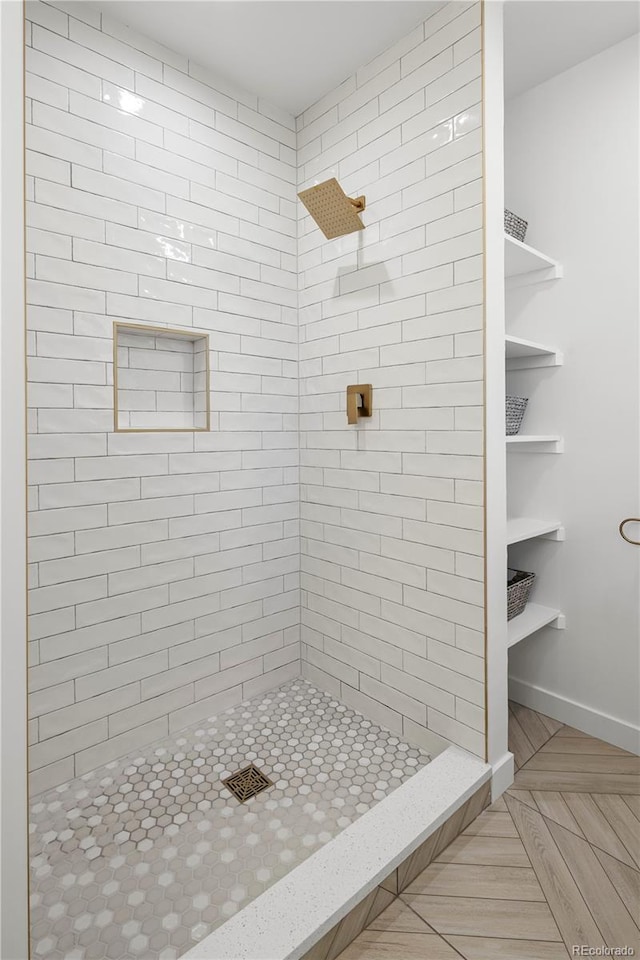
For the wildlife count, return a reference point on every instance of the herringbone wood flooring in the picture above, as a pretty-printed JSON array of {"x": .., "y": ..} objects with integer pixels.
[{"x": 553, "y": 864}]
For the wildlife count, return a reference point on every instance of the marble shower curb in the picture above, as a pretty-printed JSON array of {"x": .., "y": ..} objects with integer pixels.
[{"x": 318, "y": 908}]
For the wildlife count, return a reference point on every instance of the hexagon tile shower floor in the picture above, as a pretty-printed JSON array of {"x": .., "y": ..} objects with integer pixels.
[{"x": 148, "y": 854}]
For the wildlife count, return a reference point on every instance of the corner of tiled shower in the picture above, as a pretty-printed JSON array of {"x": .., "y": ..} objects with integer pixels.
[{"x": 282, "y": 589}]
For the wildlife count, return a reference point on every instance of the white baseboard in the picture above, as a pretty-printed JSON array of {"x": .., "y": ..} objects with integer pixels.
[
  {"x": 578, "y": 715},
  {"x": 502, "y": 776}
]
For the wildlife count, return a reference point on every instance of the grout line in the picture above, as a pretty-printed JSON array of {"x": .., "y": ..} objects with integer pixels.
[
  {"x": 483, "y": 936},
  {"x": 567, "y": 945},
  {"x": 577, "y": 886},
  {"x": 454, "y": 896}
]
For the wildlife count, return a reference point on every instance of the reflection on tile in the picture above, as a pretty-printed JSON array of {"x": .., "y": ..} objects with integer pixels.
[{"x": 146, "y": 855}]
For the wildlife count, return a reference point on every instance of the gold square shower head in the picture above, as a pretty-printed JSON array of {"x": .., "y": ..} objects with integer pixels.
[{"x": 335, "y": 213}]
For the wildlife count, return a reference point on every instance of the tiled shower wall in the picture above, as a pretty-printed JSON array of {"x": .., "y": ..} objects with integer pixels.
[
  {"x": 391, "y": 512},
  {"x": 163, "y": 566}
]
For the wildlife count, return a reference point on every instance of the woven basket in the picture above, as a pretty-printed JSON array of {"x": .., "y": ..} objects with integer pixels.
[
  {"x": 514, "y": 412},
  {"x": 514, "y": 226},
  {"x": 518, "y": 589}
]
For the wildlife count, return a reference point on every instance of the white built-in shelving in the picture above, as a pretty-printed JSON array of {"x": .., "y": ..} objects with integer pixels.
[
  {"x": 533, "y": 618},
  {"x": 531, "y": 442},
  {"x": 525, "y": 265},
  {"x": 525, "y": 354},
  {"x": 529, "y": 528}
]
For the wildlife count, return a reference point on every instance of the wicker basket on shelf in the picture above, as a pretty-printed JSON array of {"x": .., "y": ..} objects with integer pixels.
[
  {"x": 515, "y": 226},
  {"x": 519, "y": 585},
  {"x": 514, "y": 412}
]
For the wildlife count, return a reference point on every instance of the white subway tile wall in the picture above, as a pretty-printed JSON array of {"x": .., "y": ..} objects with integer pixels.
[
  {"x": 165, "y": 568},
  {"x": 392, "y": 562},
  {"x": 164, "y": 581}
]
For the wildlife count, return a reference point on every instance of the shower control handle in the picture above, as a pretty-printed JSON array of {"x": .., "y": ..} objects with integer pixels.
[
  {"x": 359, "y": 403},
  {"x": 623, "y": 534}
]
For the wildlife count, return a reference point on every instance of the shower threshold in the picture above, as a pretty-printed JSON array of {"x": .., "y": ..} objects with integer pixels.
[{"x": 152, "y": 856}]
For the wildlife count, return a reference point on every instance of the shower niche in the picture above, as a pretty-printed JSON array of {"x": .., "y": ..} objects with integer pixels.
[{"x": 161, "y": 379}]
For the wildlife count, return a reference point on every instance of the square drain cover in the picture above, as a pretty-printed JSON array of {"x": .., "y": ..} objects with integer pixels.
[{"x": 247, "y": 783}]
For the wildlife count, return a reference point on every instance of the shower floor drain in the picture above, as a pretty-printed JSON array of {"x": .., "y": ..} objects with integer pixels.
[{"x": 247, "y": 783}]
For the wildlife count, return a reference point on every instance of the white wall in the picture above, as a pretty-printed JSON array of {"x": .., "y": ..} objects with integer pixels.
[
  {"x": 572, "y": 166},
  {"x": 163, "y": 566},
  {"x": 13, "y": 632},
  {"x": 392, "y": 509}
]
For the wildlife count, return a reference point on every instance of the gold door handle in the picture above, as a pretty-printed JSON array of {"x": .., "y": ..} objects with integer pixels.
[
  {"x": 359, "y": 402},
  {"x": 623, "y": 534}
]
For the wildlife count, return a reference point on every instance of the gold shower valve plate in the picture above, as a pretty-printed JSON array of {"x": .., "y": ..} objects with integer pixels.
[
  {"x": 247, "y": 783},
  {"x": 335, "y": 213},
  {"x": 359, "y": 401}
]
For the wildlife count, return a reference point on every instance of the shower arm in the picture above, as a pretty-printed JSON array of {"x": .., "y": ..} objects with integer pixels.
[{"x": 358, "y": 202}]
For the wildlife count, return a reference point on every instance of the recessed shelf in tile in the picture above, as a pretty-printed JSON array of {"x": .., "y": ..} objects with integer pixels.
[{"x": 161, "y": 379}]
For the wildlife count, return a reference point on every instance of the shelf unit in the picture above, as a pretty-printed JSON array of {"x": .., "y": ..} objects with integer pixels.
[
  {"x": 520, "y": 529},
  {"x": 525, "y": 354},
  {"x": 533, "y": 618},
  {"x": 525, "y": 265},
  {"x": 540, "y": 443}
]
